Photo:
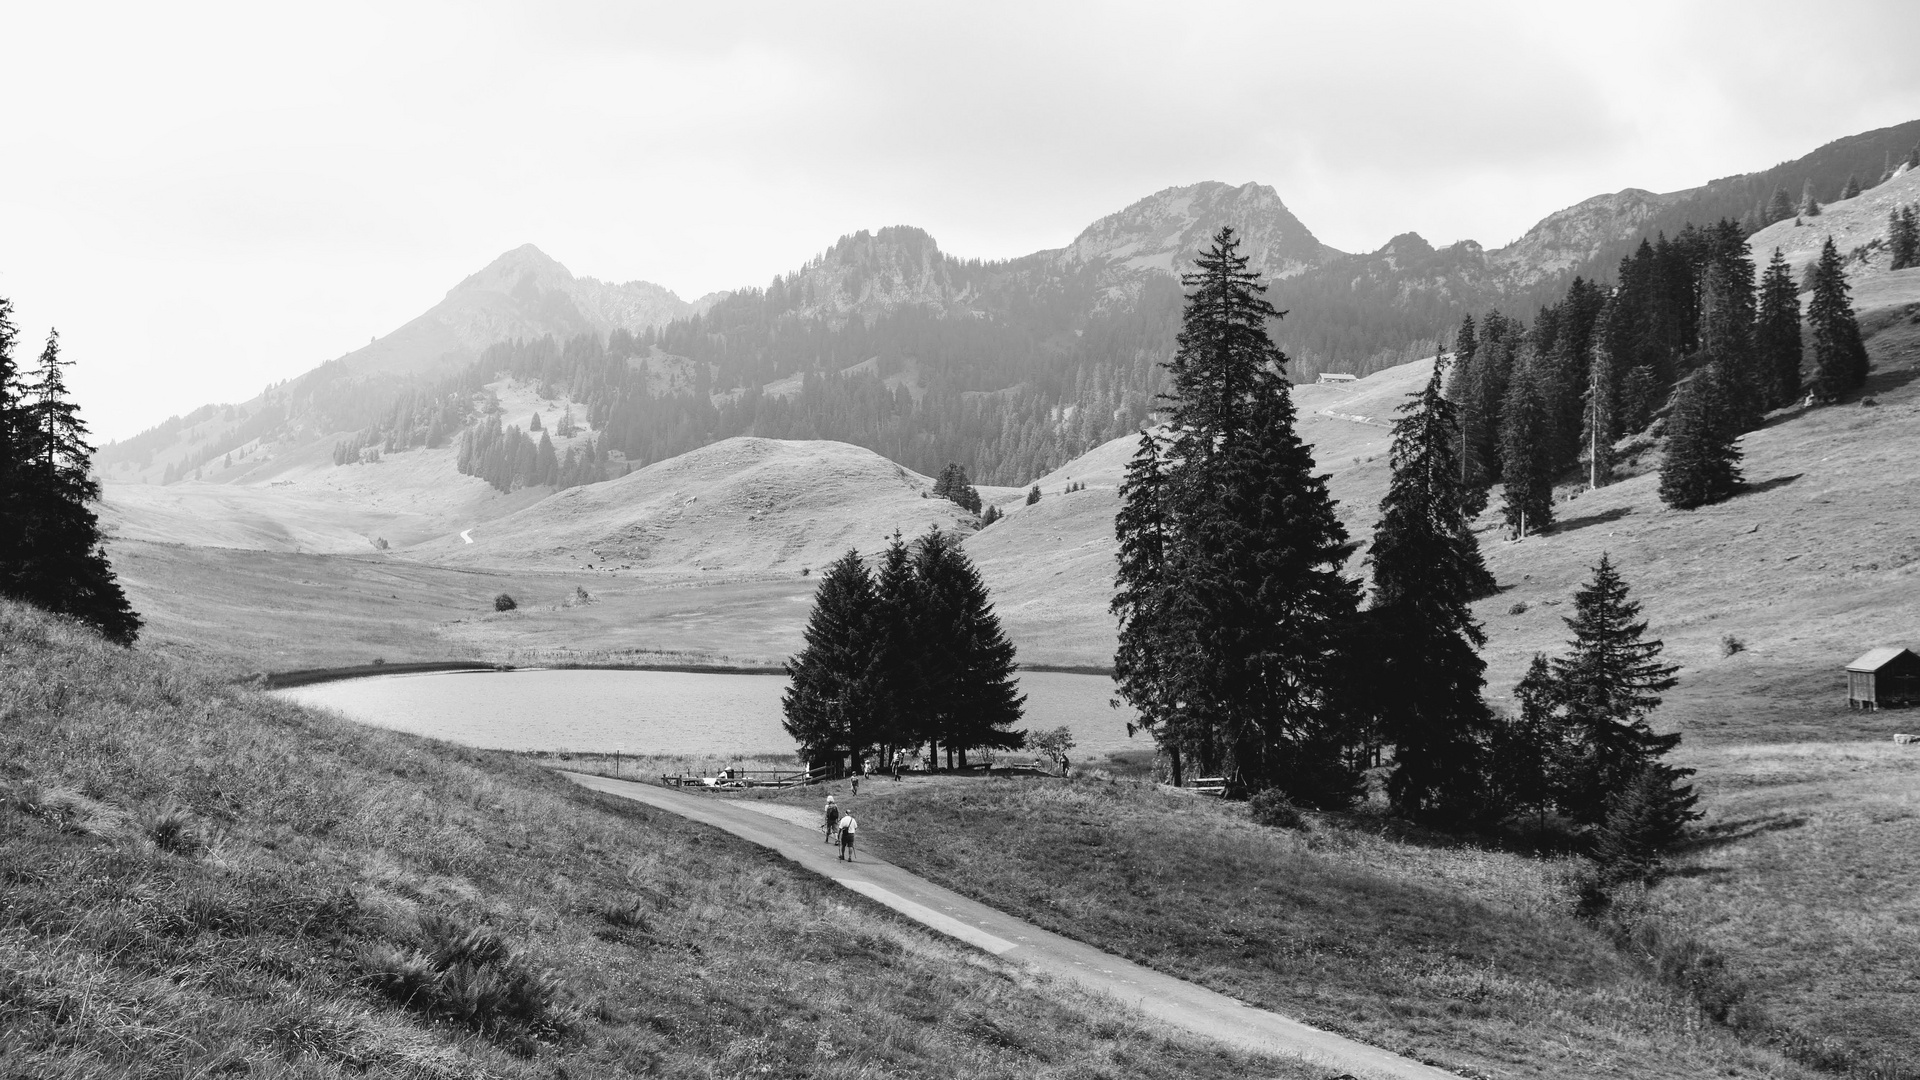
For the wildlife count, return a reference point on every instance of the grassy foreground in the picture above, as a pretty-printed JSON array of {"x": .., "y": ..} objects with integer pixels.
[
  {"x": 197, "y": 880},
  {"x": 1468, "y": 958}
]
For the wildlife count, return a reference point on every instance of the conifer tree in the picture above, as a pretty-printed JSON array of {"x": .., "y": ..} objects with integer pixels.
[
  {"x": 897, "y": 685},
  {"x": 1903, "y": 238},
  {"x": 829, "y": 704},
  {"x": 1643, "y": 820},
  {"x": 1780, "y": 207},
  {"x": 954, "y": 486},
  {"x": 1528, "y": 748},
  {"x": 1809, "y": 206},
  {"x": 1463, "y": 389},
  {"x": 1526, "y": 478},
  {"x": 1605, "y": 690},
  {"x": 1145, "y": 666},
  {"x": 969, "y": 691},
  {"x": 1839, "y": 356},
  {"x": 1852, "y": 190},
  {"x": 1252, "y": 568},
  {"x": 52, "y": 554},
  {"x": 1033, "y": 494},
  {"x": 1702, "y": 460},
  {"x": 1776, "y": 333},
  {"x": 1599, "y": 426},
  {"x": 1427, "y": 570}
]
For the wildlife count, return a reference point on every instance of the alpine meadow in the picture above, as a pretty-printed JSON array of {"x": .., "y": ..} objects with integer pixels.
[{"x": 1165, "y": 645}]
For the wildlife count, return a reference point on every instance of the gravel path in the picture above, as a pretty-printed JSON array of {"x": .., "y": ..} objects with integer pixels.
[{"x": 794, "y": 832}]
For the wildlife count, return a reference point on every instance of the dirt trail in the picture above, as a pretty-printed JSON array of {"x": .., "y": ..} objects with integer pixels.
[{"x": 791, "y": 832}]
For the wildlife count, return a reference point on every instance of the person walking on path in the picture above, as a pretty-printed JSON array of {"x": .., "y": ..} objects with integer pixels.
[
  {"x": 848, "y": 826},
  {"x": 833, "y": 818},
  {"x": 858, "y": 771}
]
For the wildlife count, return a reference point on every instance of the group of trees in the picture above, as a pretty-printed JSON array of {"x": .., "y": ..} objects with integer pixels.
[
  {"x": 954, "y": 486},
  {"x": 51, "y": 553},
  {"x": 903, "y": 655},
  {"x": 1686, "y": 324},
  {"x": 1249, "y": 655},
  {"x": 509, "y": 458},
  {"x": 1903, "y": 237}
]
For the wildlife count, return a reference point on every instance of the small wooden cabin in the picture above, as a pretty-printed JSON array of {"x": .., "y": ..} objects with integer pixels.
[
  {"x": 1883, "y": 677},
  {"x": 1338, "y": 377}
]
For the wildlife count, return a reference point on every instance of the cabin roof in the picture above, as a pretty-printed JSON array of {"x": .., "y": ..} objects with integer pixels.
[{"x": 1875, "y": 659}]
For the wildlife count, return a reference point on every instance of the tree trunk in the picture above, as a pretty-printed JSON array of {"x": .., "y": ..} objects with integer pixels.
[{"x": 1174, "y": 753}]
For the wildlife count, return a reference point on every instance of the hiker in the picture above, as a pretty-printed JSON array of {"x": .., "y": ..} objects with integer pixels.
[
  {"x": 896, "y": 763},
  {"x": 833, "y": 818},
  {"x": 848, "y": 827},
  {"x": 858, "y": 771}
]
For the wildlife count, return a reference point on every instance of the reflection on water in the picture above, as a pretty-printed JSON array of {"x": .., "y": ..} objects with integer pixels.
[{"x": 655, "y": 712}]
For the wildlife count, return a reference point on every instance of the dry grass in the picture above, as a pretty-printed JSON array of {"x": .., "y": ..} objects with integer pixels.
[
  {"x": 1469, "y": 957},
  {"x": 197, "y": 880},
  {"x": 1807, "y": 879}
]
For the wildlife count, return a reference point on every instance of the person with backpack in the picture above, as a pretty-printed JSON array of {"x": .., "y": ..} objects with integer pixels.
[
  {"x": 833, "y": 818},
  {"x": 848, "y": 826}
]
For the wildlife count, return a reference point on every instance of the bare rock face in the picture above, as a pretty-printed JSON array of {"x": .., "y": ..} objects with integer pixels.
[
  {"x": 1567, "y": 238},
  {"x": 1161, "y": 233}
]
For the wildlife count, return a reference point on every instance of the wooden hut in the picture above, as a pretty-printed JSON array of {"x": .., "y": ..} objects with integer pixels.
[{"x": 1886, "y": 676}]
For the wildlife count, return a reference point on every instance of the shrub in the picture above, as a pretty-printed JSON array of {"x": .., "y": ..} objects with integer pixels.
[
  {"x": 1518, "y": 609},
  {"x": 503, "y": 602},
  {"x": 1272, "y": 809},
  {"x": 467, "y": 975},
  {"x": 1730, "y": 645},
  {"x": 171, "y": 829}
]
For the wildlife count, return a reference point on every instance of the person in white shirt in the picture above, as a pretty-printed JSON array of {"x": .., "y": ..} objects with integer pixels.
[
  {"x": 833, "y": 819},
  {"x": 848, "y": 827}
]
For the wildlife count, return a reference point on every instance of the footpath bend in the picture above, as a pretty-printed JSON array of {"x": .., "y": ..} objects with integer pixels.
[{"x": 791, "y": 832}]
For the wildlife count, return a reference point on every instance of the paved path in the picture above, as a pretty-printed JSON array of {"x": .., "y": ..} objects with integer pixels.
[{"x": 791, "y": 832}]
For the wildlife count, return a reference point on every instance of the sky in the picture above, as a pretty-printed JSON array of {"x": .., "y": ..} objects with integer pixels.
[{"x": 209, "y": 198}]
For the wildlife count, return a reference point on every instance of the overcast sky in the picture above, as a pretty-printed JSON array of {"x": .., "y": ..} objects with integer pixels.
[{"x": 205, "y": 199}]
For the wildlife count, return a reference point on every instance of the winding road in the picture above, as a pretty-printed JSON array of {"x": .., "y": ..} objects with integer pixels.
[{"x": 793, "y": 832}]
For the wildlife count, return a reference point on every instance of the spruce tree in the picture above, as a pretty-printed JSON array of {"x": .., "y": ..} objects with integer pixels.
[
  {"x": 1605, "y": 690},
  {"x": 1809, "y": 206},
  {"x": 1252, "y": 565},
  {"x": 898, "y": 699},
  {"x": 1599, "y": 423},
  {"x": 1144, "y": 662},
  {"x": 955, "y": 486},
  {"x": 1033, "y": 494},
  {"x": 1526, "y": 478},
  {"x": 1726, "y": 322},
  {"x": 1464, "y": 390},
  {"x": 1776, "y": 333},
  {"x": 969, "y": 691},
  {"x": 1852, "y": 190},
  {"x": 1644, "y": 819},
  {"x": 1780, "y": 207},
  {"x": 1427, "y": 570},
  {"x": 1903, "y": 238},
  {"x": 1702, "y": 460},
  {"x": 829, "y": 703},
  {"x": 1528, "y": 748},
  {"x": 56, "y": 558},
  {"x": 1839, "y": 356}
]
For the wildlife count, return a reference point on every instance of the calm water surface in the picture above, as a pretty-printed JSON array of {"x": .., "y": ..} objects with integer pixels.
[{"x": 655, "y": 712}]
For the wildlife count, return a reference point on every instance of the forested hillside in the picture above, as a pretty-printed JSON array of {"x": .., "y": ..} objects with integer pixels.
[{"x": 1008, "y": 368}]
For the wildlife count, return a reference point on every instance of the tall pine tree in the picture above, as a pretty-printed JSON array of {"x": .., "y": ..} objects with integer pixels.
[
  {"x": 1606, "y": 688},
  {"x": 971, "y": 696},
  {"x": 1427, "y": 570},
  {"x": 1839, "y": 356},
  {"x": 51, "y": 552},
  {"x": 1526, "y": 478},
  {"x": 829, "y": 703},
  {"x": 1702, "y": 460},
  {"x": 1251, "y": 557},
  {"x": 1776, "y": 333}
]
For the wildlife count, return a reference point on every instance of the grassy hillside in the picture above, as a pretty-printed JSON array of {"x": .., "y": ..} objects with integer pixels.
[
  {"x": 742, "y": 506},
  {"x": 196, "y": 880},
  {"x": 1469, "y": 958}
]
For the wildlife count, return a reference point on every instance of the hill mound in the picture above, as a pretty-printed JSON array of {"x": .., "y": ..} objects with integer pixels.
[{"x": 739, "y": 506}]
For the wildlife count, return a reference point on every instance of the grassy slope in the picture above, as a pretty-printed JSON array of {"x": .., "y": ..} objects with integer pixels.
[
  {"x": 1469, "y": 958},
  {"x": 197, "y": 880}
]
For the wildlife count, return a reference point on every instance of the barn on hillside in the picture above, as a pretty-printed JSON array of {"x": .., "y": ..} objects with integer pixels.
[
  {"x": 1338, "y": 377},
  {"x": 1881, "y": 677}
]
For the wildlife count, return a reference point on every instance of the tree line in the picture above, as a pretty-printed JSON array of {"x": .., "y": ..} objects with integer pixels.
[
  {"x": 1249, "y": 655},
  {"x": 1686, "y": 344},
  {"x": 51, "y": 551},
  {"x": 903, "y": 655}
]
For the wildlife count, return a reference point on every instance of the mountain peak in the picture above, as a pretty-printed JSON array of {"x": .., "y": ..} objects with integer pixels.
[
  {"x": 1161, "y": 232},
  {"x": 513, "y": 270}
]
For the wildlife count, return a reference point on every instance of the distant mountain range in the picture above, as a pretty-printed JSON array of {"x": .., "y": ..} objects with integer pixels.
[{"x": 1068, "y": 340}]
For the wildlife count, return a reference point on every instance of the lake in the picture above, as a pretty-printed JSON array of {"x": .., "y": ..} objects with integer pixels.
[{"x": 656, "y": 712}]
